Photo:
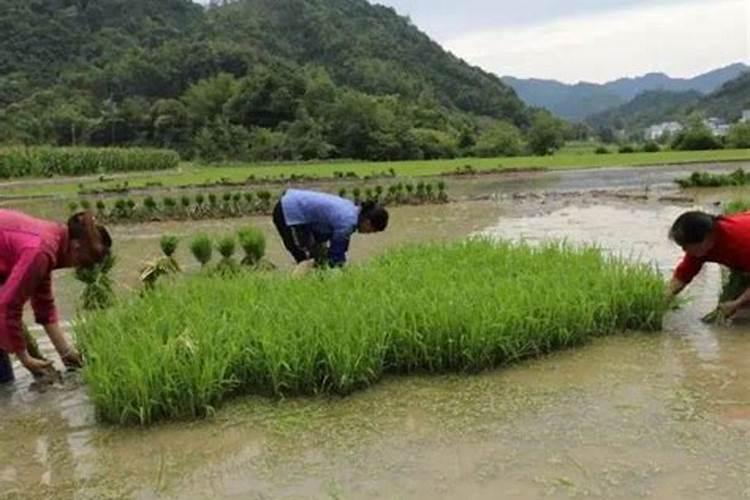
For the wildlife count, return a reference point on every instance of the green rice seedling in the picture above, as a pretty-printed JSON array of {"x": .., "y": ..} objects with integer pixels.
[
  {"x": 357, "y": 195},
  {"x": 202, "y": 249},
  {"x": 170, "y": 205},
  {"x": 342, "y": 192},
  {"x": 149, "y": 205},
  {"x": 120, "y": 210},
  {"x": 85, "y": 205},
  {"x": 706, "y": 179},
  {"x": 200, "y": 200},
  {"x": 459, "y": 307},
  {"x": 378, "y": 191},
  {"x": 428, "y": 189},
  {"x": 392, "y": 193},
  {"x": 101, "y": 209},
  {"x": 409, "y": 188},
  {"x": 97, "y": 292},
  {"x": 213, "y": 201},
  {"x": 369, "y": 194},
  {"x": 265, "y": 200},
  {"x": 227, "y": 247},
  {"x": 249, "y": 197},
  {"x": 73, "y": 207},
  {"x": 185, "y": 205},
  {"x": 421, "y": 190},
  {"x": 253, "y": 243},
  {"x": 163, "y": 266},
  {"x": 442, "y": 195}
]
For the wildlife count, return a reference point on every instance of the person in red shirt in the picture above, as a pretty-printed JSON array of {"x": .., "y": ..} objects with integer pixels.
[
  {"x": 709, "y": 238},
  {"x": 30, "y": 249}
]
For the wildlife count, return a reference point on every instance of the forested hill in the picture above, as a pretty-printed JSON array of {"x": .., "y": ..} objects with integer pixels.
[{"x": 285, "y": 78}]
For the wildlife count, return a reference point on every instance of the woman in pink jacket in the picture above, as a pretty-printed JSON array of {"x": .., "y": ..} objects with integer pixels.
[{"x": 30, "y": 249}]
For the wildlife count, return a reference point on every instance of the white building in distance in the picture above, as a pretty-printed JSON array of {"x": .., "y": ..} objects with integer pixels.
[
  {"x": 745, "y": 116},
  {"x": 658, "y": 131},
  {"x": 717, "y": 126}
]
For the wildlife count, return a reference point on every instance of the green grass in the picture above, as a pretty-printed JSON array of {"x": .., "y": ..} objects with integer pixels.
[
  {"x": 189, "y": 174},
  {"x": 181, "y": 351}
]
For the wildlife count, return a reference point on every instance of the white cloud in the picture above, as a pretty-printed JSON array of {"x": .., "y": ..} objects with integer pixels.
[{"x": 678, "y": 39}]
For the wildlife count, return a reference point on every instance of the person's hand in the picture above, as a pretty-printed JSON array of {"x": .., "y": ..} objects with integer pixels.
[
  {"x": 37, "y": 367},
  {"x": 72, "y": 359},
  {"x": 730, "y": 308}
]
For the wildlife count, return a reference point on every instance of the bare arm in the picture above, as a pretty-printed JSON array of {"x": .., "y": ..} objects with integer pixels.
[
  {"x": 675, "y": 287},
  {"x": 68, "y": 353}
]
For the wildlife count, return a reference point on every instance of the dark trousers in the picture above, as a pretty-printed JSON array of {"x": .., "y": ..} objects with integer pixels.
[
  {"x": 297, "y": 240},
  {"x": 301, "y": 241}
]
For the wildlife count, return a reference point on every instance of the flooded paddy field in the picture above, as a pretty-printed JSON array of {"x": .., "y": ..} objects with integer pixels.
[{"x": 662, "y": 415}]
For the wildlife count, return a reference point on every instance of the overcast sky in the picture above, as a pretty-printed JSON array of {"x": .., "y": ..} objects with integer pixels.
[{"x": 590, "y": 40}]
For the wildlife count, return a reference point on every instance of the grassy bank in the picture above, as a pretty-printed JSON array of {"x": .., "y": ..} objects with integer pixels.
[
  {"x": 180, "y": 351},
  {"x": 189, "y": 174}
]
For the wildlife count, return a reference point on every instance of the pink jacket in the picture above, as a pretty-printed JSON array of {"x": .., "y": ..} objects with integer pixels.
[{"x": 30, "y": 249}]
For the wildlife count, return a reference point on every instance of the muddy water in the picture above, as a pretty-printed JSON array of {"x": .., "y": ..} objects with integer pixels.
[{"x": 634, "y": 416}]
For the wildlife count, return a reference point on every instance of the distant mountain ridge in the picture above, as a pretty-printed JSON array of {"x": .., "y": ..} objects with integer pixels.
[
  {"x": 579, "y": 101},
  {"x": 655, "y": 106}
]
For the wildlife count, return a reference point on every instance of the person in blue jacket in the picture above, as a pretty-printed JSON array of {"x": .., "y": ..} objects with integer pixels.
[{"x": 307, "y": 221}]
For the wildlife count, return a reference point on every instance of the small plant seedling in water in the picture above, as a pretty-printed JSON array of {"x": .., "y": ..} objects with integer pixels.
[
  {"x": 226, "y": 247},
  {"x": 253, "y": 243},
  {"x": 162, "y": 266},
  {"x": 73, "y": 207},
  {"x": 85, "y": 205},
  {"x": 342, "y": 192},
  {"x": 202, "y": 249}
]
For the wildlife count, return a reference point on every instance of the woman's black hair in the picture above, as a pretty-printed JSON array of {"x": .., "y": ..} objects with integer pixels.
[
  {"x": 80, "y": 227},
  {"x": 376, "y": 214},
  {"x": 692, "y": 227}
]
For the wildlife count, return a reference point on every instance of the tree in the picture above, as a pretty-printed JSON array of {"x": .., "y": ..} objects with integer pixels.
[
  {"x": 546, "y": 134},
  {"x": 435, "y": 144},
  {"x": 266, "y": 99},
  {"x": 502, "y": 139},
  {"x": 697, "y": 137},
  {"x": 739, "y": 136},
  {"x": 205, "y": 99}
]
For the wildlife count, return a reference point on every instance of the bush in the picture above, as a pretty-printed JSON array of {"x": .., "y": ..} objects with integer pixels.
[
  {"x": 626, "y": 149},
  {"x": 696, "y": 138},
  {"x": 739, "y": 136},
  {"x": 601, "y": 150},
  {"x": 179, "y": 352},
  {"x": 50, "y": 161},
  {"x": 651, "y": 147}
]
